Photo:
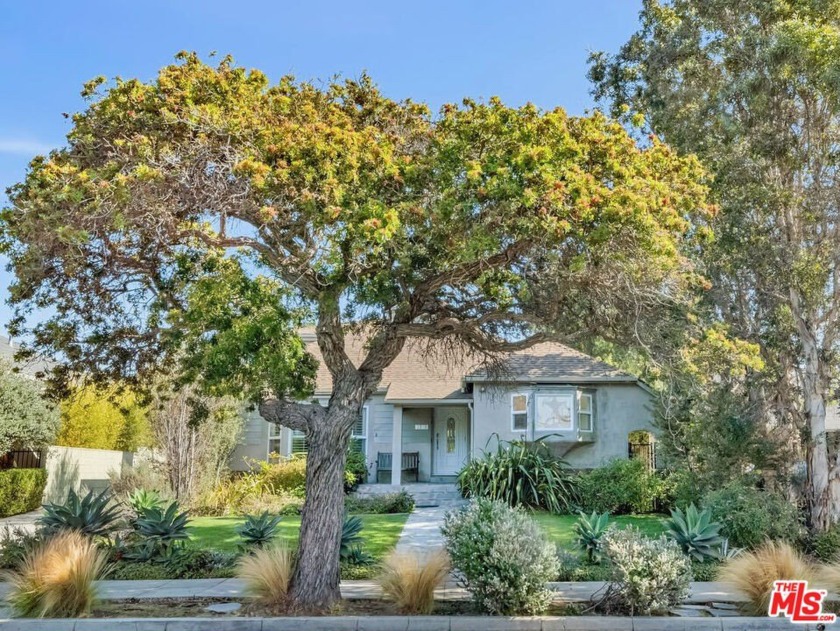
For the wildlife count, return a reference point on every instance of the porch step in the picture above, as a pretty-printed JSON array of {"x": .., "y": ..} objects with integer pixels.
[{"x": 424, "y": 494}]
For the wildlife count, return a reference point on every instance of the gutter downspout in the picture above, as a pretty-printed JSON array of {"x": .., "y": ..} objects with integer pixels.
[{"x": 472, "y": 430}]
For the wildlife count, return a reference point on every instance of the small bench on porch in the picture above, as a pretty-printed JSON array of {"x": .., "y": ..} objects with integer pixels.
[{"x": 410, "y": 463}]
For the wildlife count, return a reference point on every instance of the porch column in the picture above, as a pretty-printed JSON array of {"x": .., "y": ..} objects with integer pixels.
[{"x": 396, "y": 448}]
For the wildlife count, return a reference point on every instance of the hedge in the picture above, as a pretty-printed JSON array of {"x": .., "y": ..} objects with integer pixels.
[{"x": 21, "y": 490}]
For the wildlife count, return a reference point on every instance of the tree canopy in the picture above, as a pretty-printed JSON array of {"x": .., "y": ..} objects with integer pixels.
[
  {"x": 27, "y": 419},
  {"x": 104, "y": 418},
  {"x": 199, "y": 218}
]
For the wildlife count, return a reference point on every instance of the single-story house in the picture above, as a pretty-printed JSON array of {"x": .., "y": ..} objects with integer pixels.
[{"x": 437, "y": 417}]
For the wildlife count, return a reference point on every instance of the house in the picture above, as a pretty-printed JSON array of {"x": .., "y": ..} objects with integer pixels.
[
  {"x": 438, "y": 417},
  {"x": 34, "y": 368}
]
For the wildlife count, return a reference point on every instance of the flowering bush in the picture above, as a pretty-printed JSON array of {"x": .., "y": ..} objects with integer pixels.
[
  {"x": 504, "y": 559},
  {"x": 649, "y": 575}
]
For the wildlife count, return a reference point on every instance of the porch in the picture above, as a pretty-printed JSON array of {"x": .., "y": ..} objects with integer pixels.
[
  {"x": 419, "y": 444},
  {"x": 425, "y": 494}
]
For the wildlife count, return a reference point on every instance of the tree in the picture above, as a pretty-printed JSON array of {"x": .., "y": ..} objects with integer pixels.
[
  {"x": 103, "y": 418},
  {"x": 200, "y": 217},
  {"x": 197, "y": 436},
  {"x": 751, "y": 88},
  {"x": 27, "y": 419}
]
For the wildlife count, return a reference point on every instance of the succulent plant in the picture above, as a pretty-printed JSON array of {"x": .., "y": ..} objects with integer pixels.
[
  {"x": 257, "y": 530},
  {"x": 142, "y": 501},
  {"x": 696, "y": 533},
  {"x": 163, "y": 527},
  {"x": 350, "y": 535},
  {"x": 91, "y": 515},
  {"x": 589, "y": 530}
]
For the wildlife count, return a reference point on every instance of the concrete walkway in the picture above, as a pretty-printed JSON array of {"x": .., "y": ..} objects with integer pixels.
[
  {"x": 362, "y": 590},
  {"x": 24, "y": 521},
  {"x": 421, "y": 532}
]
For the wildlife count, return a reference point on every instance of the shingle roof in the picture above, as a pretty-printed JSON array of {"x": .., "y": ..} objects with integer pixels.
[
  {"x": 417, "y": 376},
  {"x": 33, "y": 367}
]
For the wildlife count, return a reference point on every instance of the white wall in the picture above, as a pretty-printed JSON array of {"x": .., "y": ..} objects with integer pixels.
[{"x": 81, "y": 470}]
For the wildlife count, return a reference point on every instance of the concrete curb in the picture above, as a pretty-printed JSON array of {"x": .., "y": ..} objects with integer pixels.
[{"x": 409, "y": 623}]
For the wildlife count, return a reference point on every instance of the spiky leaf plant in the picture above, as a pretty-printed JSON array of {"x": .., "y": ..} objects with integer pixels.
[
  {"x": 257, "y": 531},
  {"x": 91, "y": 515},
  {"x": 696, "y": 533},
  {"x": 589, "y": 530}
]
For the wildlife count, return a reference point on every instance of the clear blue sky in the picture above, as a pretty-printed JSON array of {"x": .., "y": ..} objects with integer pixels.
[{"x": 433, "y": 51}]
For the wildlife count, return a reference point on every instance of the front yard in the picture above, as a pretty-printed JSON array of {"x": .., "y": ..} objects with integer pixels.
[
  {"x": 559, "y": 528},
  {"x": 380, "y": 532}
]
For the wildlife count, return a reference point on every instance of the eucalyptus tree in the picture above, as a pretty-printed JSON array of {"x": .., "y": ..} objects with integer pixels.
[{"x": 752, "y": 89}]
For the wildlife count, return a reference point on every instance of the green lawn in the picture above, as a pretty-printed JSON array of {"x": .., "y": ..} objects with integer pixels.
[
  {"x": 380, "y": 532},
  {"x": 559, "y": 527}
]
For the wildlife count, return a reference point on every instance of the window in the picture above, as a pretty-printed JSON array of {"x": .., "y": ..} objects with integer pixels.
[
  {"x": 450, "y": 435},
  {"x": 519, "y": 412},
  {"x": 554, "y": 412},
  {"x": 585, "y": 412},
  {"x": 274, "y": 446},
  {"x": 358, "y": 437},
  {"x": 299, "y": 445}
]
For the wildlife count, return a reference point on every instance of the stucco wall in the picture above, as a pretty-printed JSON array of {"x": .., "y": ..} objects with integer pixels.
[
  {"x": 619, "y": 410},
  {"x": 81, "y": 470}
]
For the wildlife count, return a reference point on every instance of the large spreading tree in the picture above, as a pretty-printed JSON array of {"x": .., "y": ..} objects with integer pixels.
[
  {"x": 200, "y": 217},
  {"x": 752, "y": 89}
]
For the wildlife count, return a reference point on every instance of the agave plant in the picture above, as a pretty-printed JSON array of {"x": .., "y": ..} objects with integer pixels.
[
  {"x": 696, "y": 533},
  {"x": 589, "y": 530},
  {"x": 163, "y": 527},
  {"x": 92, "y": 515},
  {"x": 142, "y": 501},
  {"x": 521, "y": 474},
  {"x": 350, "y": 535},
  {"x": 258, "y": 530}
]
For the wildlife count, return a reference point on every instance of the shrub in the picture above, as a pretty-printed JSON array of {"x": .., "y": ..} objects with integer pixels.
[
  {"x": 127, "y": 571},
  {"x": 355, "y": 470},
  {"x": 27, "y": 419},
  {"x": 520, "y": 474},
  {"x": 92, "y": 515},
  {"x": 619, "y": 488},
  {"x": 503, "y": 557},
  {"x": 289, "y": 475},
  {"x": 706, "y": 570},
  {"x": 142, "y": 476},
  {"x": 21, "y": 490},
  {"x": 649, "y": 576},
  {"x": 266, "y": 575},
  {"x": 571, "y": 568},
  {"x": 695, "y": 533},
  {"x": 410, "y": 579},
  {"x": 387, "y": 503},
  {"x": 589, "y": 530},
  {"x": 185, "y": 563},
  {"x": 750, "y": 516},
  {"x": 56, "y": 580},
  {"x": 753, "y": 573},
  {"x": 825, "y": 546},
  {"x": 15, "y": 544},
  {"x": 257, "y": 530}
]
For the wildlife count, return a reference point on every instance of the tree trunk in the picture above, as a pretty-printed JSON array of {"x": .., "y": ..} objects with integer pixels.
[
  {"x": 822, "y": 482},
  {"x": 315, "y": 583}
]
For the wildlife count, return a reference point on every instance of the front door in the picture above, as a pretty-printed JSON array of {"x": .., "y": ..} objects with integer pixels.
[{"x": 451, "y": 440}]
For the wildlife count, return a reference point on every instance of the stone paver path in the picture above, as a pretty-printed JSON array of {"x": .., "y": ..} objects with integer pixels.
[{"x": 421, "y": 532}]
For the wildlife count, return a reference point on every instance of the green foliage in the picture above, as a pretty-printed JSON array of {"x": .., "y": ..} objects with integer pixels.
[
  {"x": 15, "y": 544},
  {"x": 749, "y": 516},
  {"x": 589, "y": 530},
  {"x": 143, "y": 501},
  {"x": 27, "y": 420},
  {"x": 91, "y": 515},
  {"x": 357, "y": 556},
  {"x": 288, "y": 475},
  {"x": 521, "y": 474},
  {"x": 649, "y": 576},
  {"x": 350, "y": 535},
  {"x": 21, "y": 490},
  {"x": 257, "y": 531},
  {"x": 138, "y": 571},
  {"x": 695, "y": 533},
  {"x": 182, "y": 562},
  {"x": 402, "y": 502},
  {"x": 503, "y": 556},
  {"x": 705, "y": 571},
  {"x": 355, "y": 470},
  {"x": 824, "y": 546},
  {"x": 619, "y": 488},
  {"x": 109, "y": 417},
  {"x": 163, "y": 528}
]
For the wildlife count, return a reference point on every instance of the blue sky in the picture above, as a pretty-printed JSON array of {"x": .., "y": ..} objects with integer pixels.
[{"x": 432, "y": 51}]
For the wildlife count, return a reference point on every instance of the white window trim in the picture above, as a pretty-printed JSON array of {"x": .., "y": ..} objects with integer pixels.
[
  {"x": 572, "y": 410},
  {"x": 272, "y": 438},
  {"x": 591, "y": 395},
  {"x": 365, "y": 424},
  {"x": 513, "y": 414}
]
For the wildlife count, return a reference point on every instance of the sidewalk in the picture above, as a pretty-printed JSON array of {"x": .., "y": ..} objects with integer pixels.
[
  {"x": 24, "y": 521},
  {"x": 362, "y": 590}
]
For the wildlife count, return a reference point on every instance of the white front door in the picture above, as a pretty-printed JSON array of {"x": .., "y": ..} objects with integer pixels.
[{"x": 451, "y": 440}]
